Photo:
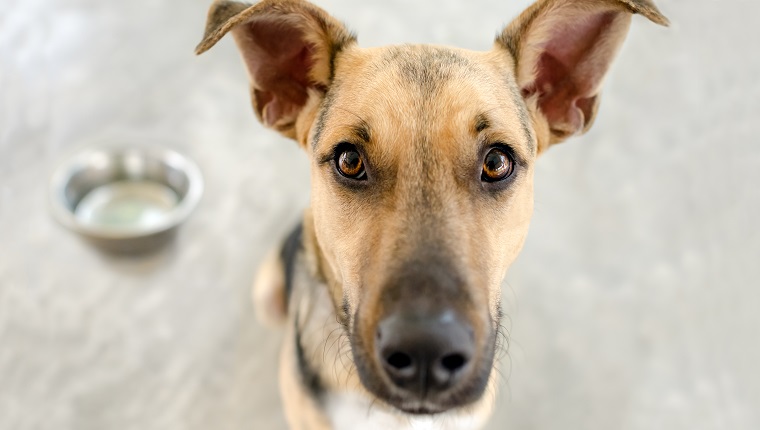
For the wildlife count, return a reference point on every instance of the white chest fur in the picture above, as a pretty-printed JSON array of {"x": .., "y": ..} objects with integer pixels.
[{"x": 352, "y": 411}]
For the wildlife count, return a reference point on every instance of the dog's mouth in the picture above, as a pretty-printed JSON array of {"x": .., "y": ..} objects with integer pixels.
[{"x": 421, "y": 408}]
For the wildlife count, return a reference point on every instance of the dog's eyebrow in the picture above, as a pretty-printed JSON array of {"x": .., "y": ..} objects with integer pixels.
[
  {"x": 481, "y": 123},
  {"x": 361, "y": 130}
]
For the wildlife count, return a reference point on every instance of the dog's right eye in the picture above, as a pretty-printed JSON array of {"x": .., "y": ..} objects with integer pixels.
[
  {"x": 497, "y": 166},
  {"x": 349, "y": 162}
]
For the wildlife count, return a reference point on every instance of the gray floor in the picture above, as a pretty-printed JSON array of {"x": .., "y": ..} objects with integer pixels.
[{"x": 633, "y": 306}]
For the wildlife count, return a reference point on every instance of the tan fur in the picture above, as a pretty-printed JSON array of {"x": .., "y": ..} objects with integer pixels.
[
  {"x": 269, "y": 291},
  {"x": 414, "y": 111}
]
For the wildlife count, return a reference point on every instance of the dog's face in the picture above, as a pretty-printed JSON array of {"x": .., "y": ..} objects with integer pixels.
[
  {"x": 422, "y": 185},
  {"x": 422, "y": 170}
]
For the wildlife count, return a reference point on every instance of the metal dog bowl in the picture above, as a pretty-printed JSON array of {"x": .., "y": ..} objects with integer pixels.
[{"x": 126, "y": 199}]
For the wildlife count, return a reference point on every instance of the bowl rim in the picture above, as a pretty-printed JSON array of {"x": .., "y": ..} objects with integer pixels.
[{"x": 64, "y": 172}]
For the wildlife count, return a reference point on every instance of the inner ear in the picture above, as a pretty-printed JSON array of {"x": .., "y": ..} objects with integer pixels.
[
  {"x": 289, "y": 48},
  {"x": 279, "y": 59},
  {"x": 570, "y": 69},
  {"x": 562, "y": 50}
]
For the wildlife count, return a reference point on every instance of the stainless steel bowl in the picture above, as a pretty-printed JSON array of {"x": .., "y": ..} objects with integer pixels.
[{"x": 126, "y": 199}]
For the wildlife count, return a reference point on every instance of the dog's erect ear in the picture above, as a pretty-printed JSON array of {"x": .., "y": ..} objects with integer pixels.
[
  {"x": 288, "y": 47},
  {"x": 562, "y": 50}
]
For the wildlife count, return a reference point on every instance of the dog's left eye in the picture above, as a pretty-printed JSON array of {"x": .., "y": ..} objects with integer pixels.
[
  {"x": 497, "y": 165},
  {"x": 349, "y": 163}
]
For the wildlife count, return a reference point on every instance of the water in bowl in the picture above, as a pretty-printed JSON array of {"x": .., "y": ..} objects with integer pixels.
[{"x": 127, "y": 205}]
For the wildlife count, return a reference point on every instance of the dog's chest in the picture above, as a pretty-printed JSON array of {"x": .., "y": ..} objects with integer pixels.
[{"x": 350, "y": 411}]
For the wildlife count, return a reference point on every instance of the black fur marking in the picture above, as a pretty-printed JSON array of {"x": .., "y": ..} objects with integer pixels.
[
  {"x": 361, "y": 130},
  {"x": 522, "y": 114},
  {"x": 426, "y": 68},
  {"x": 481, "y": 123},
  {"x": 309, "y": 377},
  {"x": 288, "y": 254},
  {"x": 319, "y": 125},
  {"x": 345, "y": 315},
  {"x": 336, "y": 49}
]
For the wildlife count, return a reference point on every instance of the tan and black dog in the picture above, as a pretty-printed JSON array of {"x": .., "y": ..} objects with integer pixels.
[{"x": 422, "y": 161}]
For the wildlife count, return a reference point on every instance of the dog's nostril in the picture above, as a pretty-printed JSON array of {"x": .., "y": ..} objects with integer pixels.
[
  {"x": 421, "y": 353},
  {"x": 453, "y": 362},
  {"x": 399, "y": 360}
]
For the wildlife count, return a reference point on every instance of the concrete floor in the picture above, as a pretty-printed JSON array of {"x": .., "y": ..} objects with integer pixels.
[{"x": 633, "y": 306}]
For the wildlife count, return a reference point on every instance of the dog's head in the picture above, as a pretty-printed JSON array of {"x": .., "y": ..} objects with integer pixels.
[{"x": 422, "y": 170}]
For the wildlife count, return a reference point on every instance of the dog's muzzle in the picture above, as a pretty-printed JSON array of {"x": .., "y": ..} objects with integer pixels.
[{"x": 425, "y": 354}]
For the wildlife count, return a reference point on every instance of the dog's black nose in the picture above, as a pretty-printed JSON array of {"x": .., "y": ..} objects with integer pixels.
[{"x": 425, "y": 354}]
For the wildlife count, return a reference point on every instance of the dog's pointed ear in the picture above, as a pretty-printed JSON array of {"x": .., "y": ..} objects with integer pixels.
[
  {"x": 562, "y": 50},
  {"x": 288, "y": 47}
]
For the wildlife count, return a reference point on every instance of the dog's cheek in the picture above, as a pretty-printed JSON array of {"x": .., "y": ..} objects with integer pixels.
[
  {"x": 340, "y": 226},
  {"x": 505, "y": 242},
  {"x": 324, "y": 222}
]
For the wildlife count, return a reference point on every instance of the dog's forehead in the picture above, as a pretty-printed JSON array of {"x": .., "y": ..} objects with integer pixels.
[
  {"x": 423, "y": 67},
  {"x": 409, "y": 90}
]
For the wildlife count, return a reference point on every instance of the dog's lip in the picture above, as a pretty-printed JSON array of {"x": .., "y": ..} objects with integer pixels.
[{"x": 421, "y": 408}]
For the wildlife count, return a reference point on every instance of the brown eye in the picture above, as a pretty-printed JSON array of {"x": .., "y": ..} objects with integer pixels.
[
  {"x": 350, "y": 164},
  {"x": 498, "y": 165}
]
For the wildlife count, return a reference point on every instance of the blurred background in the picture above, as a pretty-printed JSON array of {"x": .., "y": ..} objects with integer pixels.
[{"x": 634, "y": 304}]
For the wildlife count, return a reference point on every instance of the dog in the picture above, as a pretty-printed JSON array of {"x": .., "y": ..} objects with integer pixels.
[{"x": 422, "y": 161}]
